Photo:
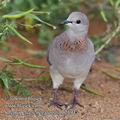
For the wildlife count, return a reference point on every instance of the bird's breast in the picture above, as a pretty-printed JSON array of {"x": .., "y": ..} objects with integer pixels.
[
  {"x": 71, "y": 46},
  {"x": 73, "y": 63}
]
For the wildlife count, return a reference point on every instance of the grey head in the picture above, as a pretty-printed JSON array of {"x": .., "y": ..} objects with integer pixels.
[{"x": 77, "y": 21}]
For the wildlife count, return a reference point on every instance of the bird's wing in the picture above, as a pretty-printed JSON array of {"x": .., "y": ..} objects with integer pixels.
[
  {"x": 55, "y": 44},
  {"x": 47, "y": 57}
]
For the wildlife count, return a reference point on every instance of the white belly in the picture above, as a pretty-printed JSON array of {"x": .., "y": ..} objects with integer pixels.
[{"x": 75, "y": 65}]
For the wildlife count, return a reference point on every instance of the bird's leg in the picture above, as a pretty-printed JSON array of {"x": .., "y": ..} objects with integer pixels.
[
  {"x": 84, "y": 85},
  {"x": 91, "y": 69},
  {"x": 74, "y": 101},
  {"x": 55, "y": 100}
]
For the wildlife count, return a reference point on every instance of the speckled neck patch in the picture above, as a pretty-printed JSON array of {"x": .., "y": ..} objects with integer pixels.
[{"x": 75, "y": 46}]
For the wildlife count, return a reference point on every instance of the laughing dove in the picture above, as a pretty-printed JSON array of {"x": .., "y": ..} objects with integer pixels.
[{"x": 71, "y": 55}]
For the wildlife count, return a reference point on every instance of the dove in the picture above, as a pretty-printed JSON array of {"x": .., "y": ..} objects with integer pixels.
[{"x": 70, "y": 55}]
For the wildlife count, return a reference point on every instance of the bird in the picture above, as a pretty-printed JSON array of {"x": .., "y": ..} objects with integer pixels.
[{"x": 71, "y": 55}]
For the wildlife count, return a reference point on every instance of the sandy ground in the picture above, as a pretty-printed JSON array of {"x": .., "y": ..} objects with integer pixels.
[{"x": 105, "y": 107}]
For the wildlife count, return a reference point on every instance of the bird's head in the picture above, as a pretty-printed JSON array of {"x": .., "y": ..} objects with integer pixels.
[{"x": 77, "y": 21}]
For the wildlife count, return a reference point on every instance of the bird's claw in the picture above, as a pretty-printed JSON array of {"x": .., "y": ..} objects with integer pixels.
[
  {"x": 56, "y": 104},
  {"x": 74, "y": 103}
]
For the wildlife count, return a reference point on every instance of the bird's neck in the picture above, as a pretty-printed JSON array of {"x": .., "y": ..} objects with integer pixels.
[
  {"x": 77, "y": 35},
  {"x": 72, "y": 42}
]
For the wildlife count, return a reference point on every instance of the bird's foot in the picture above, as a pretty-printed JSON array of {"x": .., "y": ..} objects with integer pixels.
[
  {"x": 55, "y": 103},
  {"x": 74, "y": 103}
]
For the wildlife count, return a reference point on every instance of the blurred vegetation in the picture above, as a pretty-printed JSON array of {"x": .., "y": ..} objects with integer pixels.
[
  {"x": 46, "y": 12},
  {"x": 11, "y": 85},
  {"x": 45, "y": 16}
]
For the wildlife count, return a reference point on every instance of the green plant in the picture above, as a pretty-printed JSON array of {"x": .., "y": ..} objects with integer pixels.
[
  {"x": 8, "y": 25},
  {"x": 110, "y": 13},
  {"x": 8, "y": 83},
  {"x": 18, "y": 61}
]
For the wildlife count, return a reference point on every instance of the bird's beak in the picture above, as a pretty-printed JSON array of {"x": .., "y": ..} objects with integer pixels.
[{"x": 66, "y": 22}]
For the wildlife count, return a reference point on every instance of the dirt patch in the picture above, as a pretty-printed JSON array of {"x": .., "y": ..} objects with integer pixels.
[{"x": 105, "y": 107}]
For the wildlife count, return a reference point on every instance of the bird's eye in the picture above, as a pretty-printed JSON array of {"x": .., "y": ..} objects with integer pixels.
[{"x": 78, "y": 21}]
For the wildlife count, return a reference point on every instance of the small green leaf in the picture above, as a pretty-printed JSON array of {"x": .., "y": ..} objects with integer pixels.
[
  {"x": 21, "y": 62},
  {"x": 1, "y": 34},
  {"x": 5, "y": 59},
  {"x": 5, "y": 81},
  {"x": 38, "y": 19},
  {"x": 18, "y": 89},
  {"x": 18, "y": 34},
  {"x": 111, "y": 2},
  {"x": 17, "y": 15},
  {"x": 103, "y": 14},
  {"x": 26, "y": 91},
  {"x": 88, "y": 89},
  {"x": 117, "y": 4},
  {"x": 112, "y": 76}
]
